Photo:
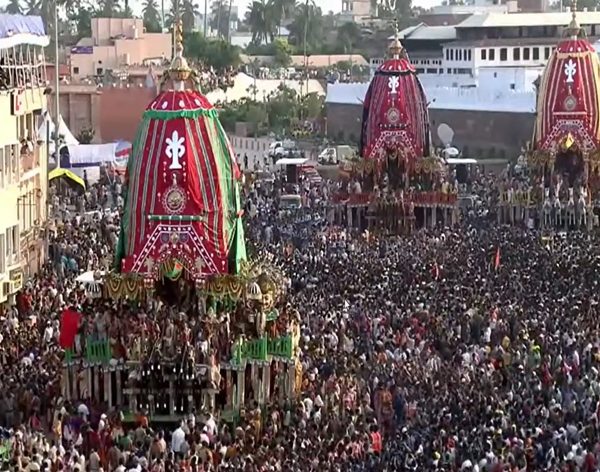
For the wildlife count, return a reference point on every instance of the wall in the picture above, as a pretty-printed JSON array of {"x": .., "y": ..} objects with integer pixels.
[
  {"x": 254, "y": 148},
  {"x": 494, "y": 96},
  {"x": 480, "y": 131},
  {"x": 103, "y": 29},
  {"x": 80, "y": 108},
  {"x": 121, "y": 111}
]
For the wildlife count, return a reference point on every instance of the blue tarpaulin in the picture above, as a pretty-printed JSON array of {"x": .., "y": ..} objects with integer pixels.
[{"x": 21, "y": 24}]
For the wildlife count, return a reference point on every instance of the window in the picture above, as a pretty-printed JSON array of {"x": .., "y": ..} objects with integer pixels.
[
  {"x": 546, "y": 53},
  {"x": 492, "y": 54},
  {"x": 447, "y": 54},
  {"x": 7, "y": 165},
  {"x": 484, "y": 54},
  {"x": 469, "y": 55},
  {"x": 525, "y": 54},
  {"x": 448, "y": 71},
  {"x": 451, "y": 54},
  {"x": 9, "y": 248},
  {"x": 503, "y": 54},
  {"x": 99, "y": 71},
  {"x": 14, "y": 161},
  {"x": 15, "y": 243},
  {"x": 419, "y": 70},
  {"x": 536, "y": 54},
  {"x": 2, "y": 252},
  {"x": 2, "y": 171},
  {"x": 459, "y": 55},
  {"x": 75, "y": 70},
  {"x": 516, "y": 54}
]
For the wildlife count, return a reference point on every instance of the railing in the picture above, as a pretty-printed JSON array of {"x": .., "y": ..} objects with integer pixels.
[
  {"x": 260, "y": 349},
  {"x": 96, "y": 352},
  {"x": 417, "y": 198}
]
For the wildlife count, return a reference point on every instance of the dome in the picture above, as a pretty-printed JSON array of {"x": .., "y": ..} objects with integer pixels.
[
  {"x": 254, "y": 291},
  {"x": 568, "y": 104},
  {"x": 395, "y": 114}
]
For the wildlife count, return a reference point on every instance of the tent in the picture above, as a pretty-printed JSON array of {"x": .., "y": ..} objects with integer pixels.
[
  {"x": 66, "y": 173},
  {"x": 46, "y": 130}
]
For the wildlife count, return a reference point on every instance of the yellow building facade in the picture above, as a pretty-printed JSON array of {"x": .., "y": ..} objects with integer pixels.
[{"x": 23, "y": 155}]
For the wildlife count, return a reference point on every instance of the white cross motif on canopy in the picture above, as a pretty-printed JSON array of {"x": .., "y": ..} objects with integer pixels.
[
  {"x": 393, "y": 84},
  {"x": 570, "y": 71},
  {"x": 175, "y": 150}
]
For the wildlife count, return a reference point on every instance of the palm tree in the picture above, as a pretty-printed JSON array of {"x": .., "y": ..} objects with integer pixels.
[
  {"x": 32, "y": 7},
  {"x": 282, "y": 10},
  {"x": 189, "y": 11},
  {"x": 13, "y": 7},
  {"x": 151, "y": 16},
  {"x": 307, "y": 27},
  {"x": 261, "y": 22},
  {"x": 108, "y": 8},
  {"x": 348, "y": 35}
]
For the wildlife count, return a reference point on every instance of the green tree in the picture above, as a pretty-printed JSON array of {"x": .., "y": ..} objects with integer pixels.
[
  {"x": 312, "y": 106},
  {"x": 109, "y": 9},
  {"x": 83, "y": 21},
  {"x": 218, "y": 54},
  {"x": 282, "y": 53},
  {"x": 189, "y": 11},
  {"x": 262, "y": 22},
  {"x": 14, "y": 7},
  {"x": 282, "y": 109},
  {"x": 307, "y": 28},
  {"x": 282, "y": 10},
  {"x": 220, "y": 18},
  {"x": 348, "y": 36},
  {"x": 151, "y": 16}
]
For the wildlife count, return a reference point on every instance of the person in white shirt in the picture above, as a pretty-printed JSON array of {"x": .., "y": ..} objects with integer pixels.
[{"x": 177, "y": 439}]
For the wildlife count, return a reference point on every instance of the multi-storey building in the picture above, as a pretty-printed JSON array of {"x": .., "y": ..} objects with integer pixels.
[
  {"x": 23, "y": 157},
  {"x": 479, "y": 77},
  {"x": 356, "y": 11},
  {"x": 117, "y": 43}
]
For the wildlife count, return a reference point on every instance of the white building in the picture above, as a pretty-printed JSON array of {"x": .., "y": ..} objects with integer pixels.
[
  {"x": 23, "y": 158},
  {"x": 497, "y": 55}
]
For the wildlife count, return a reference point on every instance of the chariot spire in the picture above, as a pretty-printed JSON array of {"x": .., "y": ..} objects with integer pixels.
[
  {"x": 574, "y": 30},
  {"x": 179, "y": 71},
  {"x": 395, "y": 48}
]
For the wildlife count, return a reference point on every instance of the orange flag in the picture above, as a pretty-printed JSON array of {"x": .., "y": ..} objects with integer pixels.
[{"x": 497, "y": 259}]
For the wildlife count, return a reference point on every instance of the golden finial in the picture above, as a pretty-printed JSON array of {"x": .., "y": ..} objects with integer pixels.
[
  {"x": 179, "y": 36},
  {"x": 574, "y": 30},
  {"x": 179, "y": 71},
  {"x": 395, "y": 48}
]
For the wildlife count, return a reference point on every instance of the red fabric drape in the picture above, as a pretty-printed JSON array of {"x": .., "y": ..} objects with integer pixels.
[{"x": 69, "y": 323}]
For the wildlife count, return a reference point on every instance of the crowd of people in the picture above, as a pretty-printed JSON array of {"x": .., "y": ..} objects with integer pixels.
[{"x": 467, "y": 348}]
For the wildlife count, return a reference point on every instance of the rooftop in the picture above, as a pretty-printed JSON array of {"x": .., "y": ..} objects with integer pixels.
[
  {"x": 21, "y": 29},
  {"x": 425, "y": 32},
  {"x": 508, "y": 20}
]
